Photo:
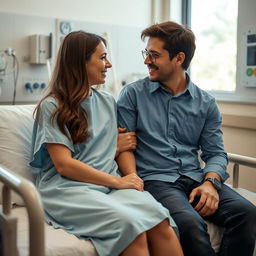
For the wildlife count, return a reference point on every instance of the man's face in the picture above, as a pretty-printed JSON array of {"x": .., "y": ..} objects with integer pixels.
[{"x": 160, "y": 67}]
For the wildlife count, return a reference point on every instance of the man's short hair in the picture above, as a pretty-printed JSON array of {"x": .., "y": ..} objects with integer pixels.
[{"x": 177, "y": 38}]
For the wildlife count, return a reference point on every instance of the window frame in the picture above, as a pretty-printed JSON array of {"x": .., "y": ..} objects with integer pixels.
[{"x": 241, "y": 94}]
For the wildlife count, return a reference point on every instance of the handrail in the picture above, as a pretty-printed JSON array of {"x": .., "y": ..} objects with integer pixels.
[
  {"x": 240, "y": 160},
  {"x": 243, "y": 160},
  {"x": 29, "y": 194}
]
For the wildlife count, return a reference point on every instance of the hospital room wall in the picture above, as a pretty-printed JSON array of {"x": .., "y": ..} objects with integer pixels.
[
  {"x": 239, "y": 120},
  {"x": 130, "y": 13}
]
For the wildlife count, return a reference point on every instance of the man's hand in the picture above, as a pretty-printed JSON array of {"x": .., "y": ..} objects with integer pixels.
[
  {"x": 209, "y": 199},
  {"x": 126, "y": 141}
]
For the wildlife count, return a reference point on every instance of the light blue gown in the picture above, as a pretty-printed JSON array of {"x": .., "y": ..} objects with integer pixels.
[{"x": 110, "y": 218}]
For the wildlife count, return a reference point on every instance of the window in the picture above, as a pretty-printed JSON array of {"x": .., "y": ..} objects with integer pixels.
[{"x": 214, "y": 23}]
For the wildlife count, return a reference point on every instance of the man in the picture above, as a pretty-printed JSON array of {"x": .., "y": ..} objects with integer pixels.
[{"x": 173, "y": 120}]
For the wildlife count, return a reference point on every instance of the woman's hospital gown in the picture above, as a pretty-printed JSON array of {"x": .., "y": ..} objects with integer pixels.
[{"x": 110, "y": 218}]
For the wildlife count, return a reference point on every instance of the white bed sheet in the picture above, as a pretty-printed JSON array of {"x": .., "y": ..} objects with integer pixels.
[{"x": 57, "y": 241}]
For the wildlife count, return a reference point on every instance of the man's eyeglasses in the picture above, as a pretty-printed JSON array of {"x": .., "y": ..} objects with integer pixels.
[{"x": 152, "y": 56}]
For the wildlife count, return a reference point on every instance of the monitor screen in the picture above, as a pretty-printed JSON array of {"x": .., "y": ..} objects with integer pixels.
[
  {"x": 251, "y": 38},
  {"x": 251, "y": 55}
]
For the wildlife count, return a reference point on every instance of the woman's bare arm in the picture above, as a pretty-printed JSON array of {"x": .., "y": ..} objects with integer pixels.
[{"x": 79, "y": 171}]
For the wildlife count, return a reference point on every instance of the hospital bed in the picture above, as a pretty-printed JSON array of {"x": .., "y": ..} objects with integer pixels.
[{"x": 23, "y": 230}]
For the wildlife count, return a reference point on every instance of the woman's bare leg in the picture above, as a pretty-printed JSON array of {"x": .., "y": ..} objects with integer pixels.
[
  {"x": 139, "y": 247},
  {"x": 163, "y": 241}
]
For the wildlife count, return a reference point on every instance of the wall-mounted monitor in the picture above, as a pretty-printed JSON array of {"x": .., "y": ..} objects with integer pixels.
[{"x": 249, "y": 57}]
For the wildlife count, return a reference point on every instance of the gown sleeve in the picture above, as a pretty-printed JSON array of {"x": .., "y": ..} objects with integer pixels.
[{"x": 45, "y": 131}]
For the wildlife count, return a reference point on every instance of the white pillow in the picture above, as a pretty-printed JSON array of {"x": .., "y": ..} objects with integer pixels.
[{"x": 16, "y": 124}]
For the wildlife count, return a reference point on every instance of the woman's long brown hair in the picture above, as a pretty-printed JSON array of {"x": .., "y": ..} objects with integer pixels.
[{"x": 69, "y": 84}]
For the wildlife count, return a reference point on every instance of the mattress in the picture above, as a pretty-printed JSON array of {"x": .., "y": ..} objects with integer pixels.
[{"x": 57, "y": 241}]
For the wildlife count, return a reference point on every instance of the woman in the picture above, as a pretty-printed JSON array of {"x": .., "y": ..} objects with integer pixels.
[{"x": 74, "y": 146}]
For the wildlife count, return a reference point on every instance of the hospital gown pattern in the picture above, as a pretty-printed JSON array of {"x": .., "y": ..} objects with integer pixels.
[{"x": 110, "y": 218}]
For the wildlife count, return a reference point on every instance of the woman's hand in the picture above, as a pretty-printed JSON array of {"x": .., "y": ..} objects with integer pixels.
[
  {"x": 130, "y": 181},
  {"x": 125, "y": 141}
]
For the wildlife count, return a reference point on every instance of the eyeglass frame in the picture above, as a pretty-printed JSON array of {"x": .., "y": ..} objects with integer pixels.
[{"x": 152, "y": 56}]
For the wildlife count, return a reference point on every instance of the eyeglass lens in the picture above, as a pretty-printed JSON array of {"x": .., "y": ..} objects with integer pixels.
[{"x": 146, "y": 54}]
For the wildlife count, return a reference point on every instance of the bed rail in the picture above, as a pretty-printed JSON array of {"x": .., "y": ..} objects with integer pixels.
[
  {"x": 28, "y": 192},
  {"x": 240, "y": 160}
]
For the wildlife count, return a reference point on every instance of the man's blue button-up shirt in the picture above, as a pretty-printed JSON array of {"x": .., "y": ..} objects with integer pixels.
[{"x": 172, "y": 129}]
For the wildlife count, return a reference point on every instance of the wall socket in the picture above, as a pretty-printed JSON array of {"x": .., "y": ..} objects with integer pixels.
[{"x": 34, "y": 85}]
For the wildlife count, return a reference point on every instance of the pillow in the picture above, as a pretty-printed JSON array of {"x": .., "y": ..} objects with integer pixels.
[{"x": 16, "y": 124}]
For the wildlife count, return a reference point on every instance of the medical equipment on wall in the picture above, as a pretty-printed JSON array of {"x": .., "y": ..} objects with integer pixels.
[
  {"x": 63, "y": 27},
  {"x": 40, "y": 49},
  {"x": 3, "y": 67},
  {"x": 40, "y": 54},
  {"x": 249, "y": 58},
  {"x": 5, "y": 55}
]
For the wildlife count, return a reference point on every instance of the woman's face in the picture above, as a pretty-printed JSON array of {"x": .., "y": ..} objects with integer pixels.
[{"x": 97, "y": 65}]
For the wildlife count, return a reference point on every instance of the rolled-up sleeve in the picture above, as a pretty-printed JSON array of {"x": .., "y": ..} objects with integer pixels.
[
  {"x": 126, "y": 110},
  {"x": 211, "y": 143}
]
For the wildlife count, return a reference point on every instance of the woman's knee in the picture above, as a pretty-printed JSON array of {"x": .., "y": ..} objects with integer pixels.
[
  {"x": 140, "y": 243},
  {"x": 141, "y": 239},
  {"x": 163, "y": 227},
  {"x": 163, "y": 231},
  {"x": 139, "y": 246}
]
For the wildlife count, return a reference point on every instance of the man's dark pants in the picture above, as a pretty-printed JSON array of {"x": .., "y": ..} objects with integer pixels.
[{"x": 235, "y": 213}]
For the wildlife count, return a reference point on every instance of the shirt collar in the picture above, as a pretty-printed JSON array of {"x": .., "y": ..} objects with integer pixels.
[
  {"x": 153, "y": 86},
  {"x": 190, "y": 87}
]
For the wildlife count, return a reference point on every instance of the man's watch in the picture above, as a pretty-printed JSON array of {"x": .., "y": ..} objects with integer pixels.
[{"x": 215, "y": 182}]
